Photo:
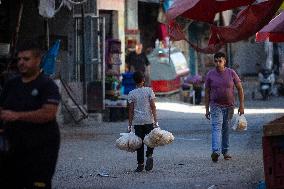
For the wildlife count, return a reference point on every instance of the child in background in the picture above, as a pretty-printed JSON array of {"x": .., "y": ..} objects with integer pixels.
[{"x": 142, "y": 114}]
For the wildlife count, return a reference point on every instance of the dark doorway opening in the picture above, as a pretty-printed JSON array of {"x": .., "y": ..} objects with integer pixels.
[{"x": 147, "y": 23}]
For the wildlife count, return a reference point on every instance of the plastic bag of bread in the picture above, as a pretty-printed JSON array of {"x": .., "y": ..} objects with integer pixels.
[
  {"x": 240, "y": 123},
  {"x": 128, "y": 142},
  {"x": 158, "y": 137}
]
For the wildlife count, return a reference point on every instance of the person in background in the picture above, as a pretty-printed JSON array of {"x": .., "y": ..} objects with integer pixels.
[
  {"x": 142, "y": 114},
  {"x": 137, "y": 61},
  {"x": 28, "y": 107},
  {"x": 219, "y": 96}
]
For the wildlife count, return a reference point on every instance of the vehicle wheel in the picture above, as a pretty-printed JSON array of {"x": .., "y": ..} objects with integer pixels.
[
  {"x": 253, "y": 95},
  {"x": 264, "y": 94}
]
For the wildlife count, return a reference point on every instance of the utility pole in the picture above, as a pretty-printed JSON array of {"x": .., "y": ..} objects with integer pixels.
[{"x": 83, "y": 66}]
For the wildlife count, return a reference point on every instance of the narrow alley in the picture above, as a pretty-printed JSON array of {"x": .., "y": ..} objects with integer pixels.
[{"x": 89, "y": 150}]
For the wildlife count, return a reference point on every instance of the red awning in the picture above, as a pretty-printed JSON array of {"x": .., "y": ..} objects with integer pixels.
[
  {"x": 273, "y": 31},
  {"x": 247, "y": 23},
  {"x": 202, "y": 10}
]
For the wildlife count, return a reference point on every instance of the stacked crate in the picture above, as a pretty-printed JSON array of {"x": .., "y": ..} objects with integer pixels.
[{"x": 273, "y": 153}]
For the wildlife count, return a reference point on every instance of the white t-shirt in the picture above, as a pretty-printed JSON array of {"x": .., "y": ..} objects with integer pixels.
[{"x": 142, "y": 111}]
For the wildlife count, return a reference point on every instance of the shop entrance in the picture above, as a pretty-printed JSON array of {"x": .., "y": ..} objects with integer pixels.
[{"x": 147, "y": 23}]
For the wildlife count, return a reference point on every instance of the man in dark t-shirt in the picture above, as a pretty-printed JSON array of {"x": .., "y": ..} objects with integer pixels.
[
  {"x": 28, "y": 107},
  {"x": 137, "y": 61}
]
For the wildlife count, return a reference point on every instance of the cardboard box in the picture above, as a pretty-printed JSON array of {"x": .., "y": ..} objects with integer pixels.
[
  {"x": 273, "y": 160},
  {"x": 274, "y": 128}
]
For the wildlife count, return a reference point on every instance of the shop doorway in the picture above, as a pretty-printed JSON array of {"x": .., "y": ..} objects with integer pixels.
[
  {"x": 147, "y": 23},
  {"x": 111, "y": 23}
]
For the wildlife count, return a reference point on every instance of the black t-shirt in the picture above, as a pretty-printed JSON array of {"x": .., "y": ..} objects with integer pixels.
[
  {"x": 137, "y": 61},
  {"x": 19, "y": 96}
]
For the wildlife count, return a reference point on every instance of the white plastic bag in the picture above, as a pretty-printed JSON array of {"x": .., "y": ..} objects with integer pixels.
[
  {"x": 158, "y": 137},
  {"x": 47, "y": 8},
  {"x": 128, "y": 142},
  {"x": 240, "y": 123}
]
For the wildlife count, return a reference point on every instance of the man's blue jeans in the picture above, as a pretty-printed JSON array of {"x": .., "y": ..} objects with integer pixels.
[{"x": 220, "y": 128}]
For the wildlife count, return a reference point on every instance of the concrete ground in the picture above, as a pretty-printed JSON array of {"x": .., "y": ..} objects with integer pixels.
[{"x": 89, "y": 149}]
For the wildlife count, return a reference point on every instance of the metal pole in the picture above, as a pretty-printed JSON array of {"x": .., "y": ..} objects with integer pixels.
[
  {"x": 46, "y": 27},
  {"x": 16, "y": 35},
  {"x": 15, "y": 38},
  {"x": 168, "y": 28},
  {"x": 83, "y": 71},
  {"x": 102, "y": 29}
]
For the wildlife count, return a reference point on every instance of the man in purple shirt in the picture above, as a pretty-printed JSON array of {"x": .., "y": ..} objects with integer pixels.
[{"x": 219, "y": 96}]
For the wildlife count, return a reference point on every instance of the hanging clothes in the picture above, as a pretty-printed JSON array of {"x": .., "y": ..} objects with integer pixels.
[
  {"x": 49, "y": 59},
  {"x": 47, "y": 8},
  {"x": 162, "y": 32}
]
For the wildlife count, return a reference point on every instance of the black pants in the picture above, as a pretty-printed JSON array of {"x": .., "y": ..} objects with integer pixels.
[
  {"x": 30, "y": 164},
  {"x": 141, "y": 131},
  {"x": 198, "y": 94}
]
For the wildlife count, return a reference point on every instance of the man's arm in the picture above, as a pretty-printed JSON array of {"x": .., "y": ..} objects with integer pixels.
[
  {"x": 241, "y": 98},
  {"x": 45, "y": 114},
  {"x": 207, "y": 99}
]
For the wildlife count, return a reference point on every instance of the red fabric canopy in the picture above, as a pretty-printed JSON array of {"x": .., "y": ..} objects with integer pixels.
[
  {"x": 162, "y": 31},
  {"x": 247, "y": 23},
  {"x": 273, "y": 31},
  {"x": 202, "y": 10}
]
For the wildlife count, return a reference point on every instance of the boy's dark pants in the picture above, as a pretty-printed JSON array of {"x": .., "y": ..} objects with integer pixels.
[{"x": 141, "y": 131}]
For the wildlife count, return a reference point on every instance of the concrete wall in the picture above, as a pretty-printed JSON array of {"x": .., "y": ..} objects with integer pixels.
[
  {"x": 131, "y": 14},
  {"x": 247, "y": 54},
  {"x": 281, "y": 60},
  {"x": 32, "y": 25}
]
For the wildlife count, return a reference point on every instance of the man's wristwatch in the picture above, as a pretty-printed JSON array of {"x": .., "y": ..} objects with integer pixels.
[{"x": 156, "y": 124}]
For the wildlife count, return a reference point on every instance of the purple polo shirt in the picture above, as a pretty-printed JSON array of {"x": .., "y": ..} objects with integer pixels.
[{"x": 221, "y": 85}]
